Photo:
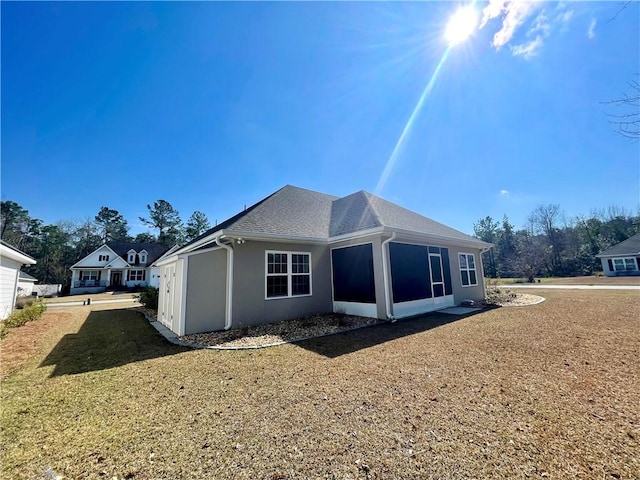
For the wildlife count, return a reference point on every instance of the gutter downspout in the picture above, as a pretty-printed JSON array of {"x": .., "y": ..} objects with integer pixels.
[
  {"x": 228, "y": 310},
  {"x": 387, "y": 297}
]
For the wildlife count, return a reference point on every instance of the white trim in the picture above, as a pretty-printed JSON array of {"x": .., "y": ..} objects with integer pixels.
[
  {"x": 274, "y": 237},
  {"x": 289, "y": 274},
  {"x": 448, "y": 241},
  {"x": 424, "y": 305},
  {"x": 468, "y": 270},
  {"x": 355, "y": 235},
  {"x": 182, "y": 321},
  {"x": 355, "y": 308},
  {"x": 624, "y": 264}
]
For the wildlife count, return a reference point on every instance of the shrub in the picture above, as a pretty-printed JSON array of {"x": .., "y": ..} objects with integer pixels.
[
  {"x": 149, "y": 298},
  {"x": 22, "y": 302},
  {"x": 20, "y": 317}
]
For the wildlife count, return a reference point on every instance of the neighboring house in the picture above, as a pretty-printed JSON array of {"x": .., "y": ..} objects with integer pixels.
[
  {"x": 622, "y": 259},
  {"x": 11, "y": 260},
  {"x": 299, "y": 253},
  {"x": 25, "y": 284},
  {"x": 117, "y": 265}
]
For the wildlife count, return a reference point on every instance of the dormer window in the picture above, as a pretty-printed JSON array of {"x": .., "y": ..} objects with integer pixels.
[
  {"x": 131, "y": 256},
  {"x": 143, "y": 256}
]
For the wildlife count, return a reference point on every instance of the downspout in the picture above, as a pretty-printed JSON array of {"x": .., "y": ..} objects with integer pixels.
[
  {"x": 387, "y": 296},
  {"x": 228, "y": 310}
]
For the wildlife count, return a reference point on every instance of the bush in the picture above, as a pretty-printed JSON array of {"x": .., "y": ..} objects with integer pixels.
[
  {"x": 22, "y": 302},
  {"x": 20, "y": 317},
  {"x": 149, "y": 298}
]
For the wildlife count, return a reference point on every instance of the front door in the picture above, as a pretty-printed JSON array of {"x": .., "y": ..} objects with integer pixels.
[{"x": 116, "y": 279}]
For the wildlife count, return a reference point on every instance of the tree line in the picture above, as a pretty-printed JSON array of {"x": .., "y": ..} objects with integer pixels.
[
  {"x": 552, "y": 245},
  {"x": 58, "y": 246},
  {"x": 548, "y": 244}
]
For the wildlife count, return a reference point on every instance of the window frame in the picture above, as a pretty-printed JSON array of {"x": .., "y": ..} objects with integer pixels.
[
  {"x": 142, "y": 256},
  {"x": 626, "y": 262},
  {"x": 138, "y": 272},
  {"x": 103, "y": 258},
  {"x": 289, "y": 274},
  {"x": 87, "y": 275},
  {"x": 467, "y": 269}
]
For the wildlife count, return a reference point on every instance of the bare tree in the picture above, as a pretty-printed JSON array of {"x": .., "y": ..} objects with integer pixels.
[{"x": 626, "y": 121}]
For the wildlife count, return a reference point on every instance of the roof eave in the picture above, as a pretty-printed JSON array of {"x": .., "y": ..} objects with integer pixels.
[{"x": 440, "y": 238}]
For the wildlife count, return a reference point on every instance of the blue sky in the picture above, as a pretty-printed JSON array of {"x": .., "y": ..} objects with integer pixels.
[{"x": 212, "y": 106}]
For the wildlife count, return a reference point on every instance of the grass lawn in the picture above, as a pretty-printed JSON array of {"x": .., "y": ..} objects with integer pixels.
[
  {"x": 551, "y": 390},
  {"x": 586, "y": 280}
]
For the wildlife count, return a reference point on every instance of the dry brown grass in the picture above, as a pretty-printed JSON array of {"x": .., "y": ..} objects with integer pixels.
[
  {"x": 550, "y": 390},
  {"x": 586, "y": 280},
  {"x": 94, "y": 296}
]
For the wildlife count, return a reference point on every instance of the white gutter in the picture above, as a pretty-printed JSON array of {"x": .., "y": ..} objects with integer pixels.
[
  {"x": 228, "y": 312},
  {"x": 387, "y": 296}
]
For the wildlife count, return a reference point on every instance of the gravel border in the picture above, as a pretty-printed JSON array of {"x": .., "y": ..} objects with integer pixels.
[{"x": 291, "y": 331}]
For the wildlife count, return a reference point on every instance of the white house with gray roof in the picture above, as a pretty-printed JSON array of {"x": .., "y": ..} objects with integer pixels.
[
  {"x": 118, "y": 265},
  {"x": 299, "y": 252},
  {"x": 622, "y": 258}
]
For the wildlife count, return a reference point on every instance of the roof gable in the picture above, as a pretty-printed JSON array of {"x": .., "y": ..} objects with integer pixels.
[
  {"x": 154, "y": 250},
  {"x": 630, "y": 246}
]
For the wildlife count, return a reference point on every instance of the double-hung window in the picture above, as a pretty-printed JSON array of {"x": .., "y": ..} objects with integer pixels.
[
  {"x": 624, "y": 264},
  {"x": 468, "y": 269},
  {"x": 288, "y": 274}
]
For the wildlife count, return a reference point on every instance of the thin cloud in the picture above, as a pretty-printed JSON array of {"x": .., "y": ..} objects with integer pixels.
[
  {"x": 528, "y": 49},
  {"x": 513, "y": 13},
  {"x": 591, "y": 32},
  {"x": 566, "y": 16},
  {"x": 504, "y": 193}
]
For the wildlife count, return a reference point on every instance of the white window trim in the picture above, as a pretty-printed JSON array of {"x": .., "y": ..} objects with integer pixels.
[
  {"x": 624, "y": 264},
  {"x": 289, "y": 274},
  {"x": 468, "y": 270},
  {"x": 136, "y": 271},
  {"x": 131, "y": 256},
  {"x": 85, "y": 276}
]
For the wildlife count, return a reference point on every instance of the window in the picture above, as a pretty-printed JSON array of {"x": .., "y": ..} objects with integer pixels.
[
  {"x": 136, "y": 275},
  {"x": 103, "y": 258},
  {"x": 287, "y": 274},
  {"x": 143, "y": 256},
  {"x": 90, "y": 275},
  {"x": 131, "y": 256},
  {"x": 624, "y": 264},
  {"x": 468, "y": 269}
]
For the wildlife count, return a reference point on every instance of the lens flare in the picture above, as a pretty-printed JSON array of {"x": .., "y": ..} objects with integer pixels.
[{"x": 461, "y": 25}]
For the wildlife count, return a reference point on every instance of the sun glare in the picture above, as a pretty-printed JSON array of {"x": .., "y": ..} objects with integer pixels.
[{"x": 461, "y": 25}]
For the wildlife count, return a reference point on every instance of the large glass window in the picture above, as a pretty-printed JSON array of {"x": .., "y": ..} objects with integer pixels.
[
  {"x": 288, "y": 274},
  {"x": 624, "y": 264},
  {"x": 468, "y": 269}
]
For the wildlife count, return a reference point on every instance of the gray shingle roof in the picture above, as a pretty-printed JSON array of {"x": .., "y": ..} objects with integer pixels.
[
  {"x": 154, "y": 250},
  {"x": 631, "y": 246},
  {"x": 26, "y": 276},
  {"x": 296, "y": 212}
]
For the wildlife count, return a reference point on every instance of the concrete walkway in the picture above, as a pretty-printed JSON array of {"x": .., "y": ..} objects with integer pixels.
[
  {"x": 93, "y": 302},
  {"x": 574, "y": 287}
]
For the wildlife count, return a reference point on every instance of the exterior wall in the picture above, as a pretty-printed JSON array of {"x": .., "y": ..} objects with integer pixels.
[
  {"x": 378, "y": 270},
  {"x": 250, "y": 307},
  {"x": 206, "y": 292},
  {"x": 9, "y": 271},
  {"x": 91, "y": 260},
  {"x": 461, "y": 293},
  {"x": 611, "y": 272},
  {"x": 25, "y": 287},
  {"x": 153, "y": 277}
]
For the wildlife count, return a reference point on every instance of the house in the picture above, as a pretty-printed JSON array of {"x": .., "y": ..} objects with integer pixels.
[
  {"x": 11, "y": 260},
  {"x": 25, "y": 284},
  {"x": 299, "y": 252},
  {"x": 622, "y": 259},
  {"x": 117, "y": 265}
]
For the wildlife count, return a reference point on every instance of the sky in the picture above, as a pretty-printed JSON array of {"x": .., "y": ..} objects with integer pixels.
[{"x": 213, "y": 106}]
